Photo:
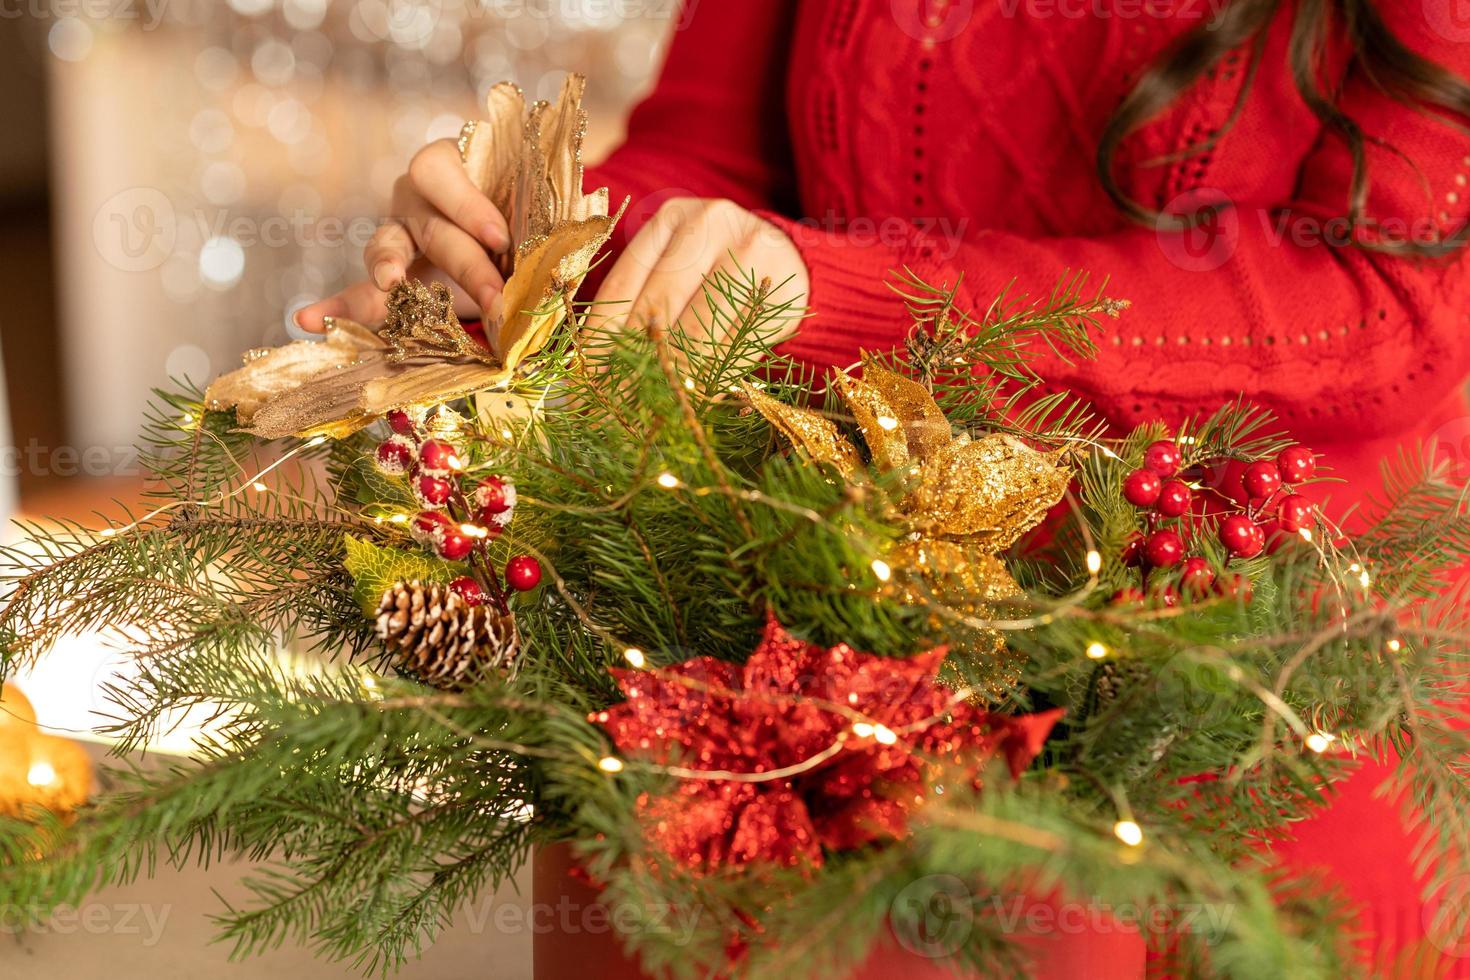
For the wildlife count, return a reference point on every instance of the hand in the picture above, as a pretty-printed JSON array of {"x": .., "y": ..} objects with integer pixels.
[
  {"x": 443, "y": 231},
  {"x": 661, "y": 275}
]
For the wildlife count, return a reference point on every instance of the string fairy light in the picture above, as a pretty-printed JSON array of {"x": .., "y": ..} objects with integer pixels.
[
  {"x": 635, "y": 657},
  {"x": 1320, "y": 742},
  {"x": 1129, "y": 832},
  {"x": 1096, "y": 651}
]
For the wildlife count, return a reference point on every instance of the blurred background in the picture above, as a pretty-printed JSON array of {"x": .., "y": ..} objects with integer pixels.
[{"x": 176, "y": 178}]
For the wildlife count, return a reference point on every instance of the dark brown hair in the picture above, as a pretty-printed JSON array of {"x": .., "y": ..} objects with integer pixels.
[{"x": 1385, "y": 61}]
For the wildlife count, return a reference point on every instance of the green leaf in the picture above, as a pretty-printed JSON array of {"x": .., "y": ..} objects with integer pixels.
[{"x": 374, "y": 569}]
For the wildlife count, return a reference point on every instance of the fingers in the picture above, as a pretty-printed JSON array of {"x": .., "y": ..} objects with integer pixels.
[
  {"x": 665, "y": 263},
  {"x": 362, "y": 302},
  {"x": 708, "y": 315},
  {"x": 388, "y": 254},
  {"x": 446, "y": 246},
  {"x": 624, "y": 282},
  {"x": 438, "y": 175}
]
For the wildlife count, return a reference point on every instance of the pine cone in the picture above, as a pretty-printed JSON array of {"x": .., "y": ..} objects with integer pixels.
[{"x": 441, "y": 639}]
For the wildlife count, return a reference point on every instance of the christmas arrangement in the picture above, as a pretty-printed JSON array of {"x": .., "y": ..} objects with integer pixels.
[{"x": 804, "y": 655}]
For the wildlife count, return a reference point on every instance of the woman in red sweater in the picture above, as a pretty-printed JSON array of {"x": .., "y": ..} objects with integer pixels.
[{"x": 1321, "y": 144}]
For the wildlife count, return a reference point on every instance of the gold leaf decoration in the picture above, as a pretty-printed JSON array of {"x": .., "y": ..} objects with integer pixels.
[
  {"x": 963, "y": 499},
  {"x": 528, "y": 161}
]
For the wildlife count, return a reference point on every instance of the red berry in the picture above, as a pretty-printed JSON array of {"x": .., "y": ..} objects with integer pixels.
[
  {"x": 1297, "y": 463},
  {"x": 1163, "y": 457},
  {"x": 1141, "y": 488},
  {"x": 493, "y": 496},
  {"x": 431, "y": 490},
  {"x": 436, "y": 454},
  {"x": 1127, "y": 596},
  {"x": 1133, "y": 550},
  {"x": 428, "y": 524},
  {"x": 1196, "y": 576},
  {"x": 1261, "y": 480},
  {"x": 1295, "y": 512},
  {"x": 523, "y": 573},
  {"x": 394, "y": 456},
  {"x": 1241, "y": 537},
  {"x": 453, "y": 544},
  {"x": 1163, "y": 549},
  {"x": 400, "y": 422},
  {"x": 469, "y": 590},
  {"x": 1174, "y": 499},
  {"x": 1234, "y": 586}
]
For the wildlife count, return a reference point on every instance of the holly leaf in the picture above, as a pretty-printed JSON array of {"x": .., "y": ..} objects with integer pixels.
[{"x": 374, "y": 568}]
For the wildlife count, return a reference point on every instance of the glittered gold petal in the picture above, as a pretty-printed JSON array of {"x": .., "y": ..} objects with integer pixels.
[
  {"x": 993, "y": 489},
  {"x": 547, "y": 272},
  {"x": 961, "y": 585},
  {"x": 810, "y": 432},
  {"x": 439, "y": 381},
  {"x": 922, "y": 422},
  {"x": 882, "y": 430},
  {"x": 269, "y": 373}
]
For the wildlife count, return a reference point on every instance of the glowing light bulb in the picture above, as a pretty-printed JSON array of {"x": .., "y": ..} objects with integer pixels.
[
  {"x": 668, "y": 480},
  {"x": 862, "y": 729},
  {"x": 689, "y": 384},
  {"x": 887, "y": 422},
  {"x": 1096, "y": 651},
  {"x": 257, "y": 486},
  {"x": 1094, "y": 563},
  {"x": 1395, "y": 645},
  {"x": 635, "y": 657},
  {"x": 1319, "y": 742},
  {"x": 610, "y": 764},
  {"x": 41, "y": 774},
  {"x": 884, "y": 735},
  {"x": 881, "y": 569},
  {"x": 1128, "y": 832}
]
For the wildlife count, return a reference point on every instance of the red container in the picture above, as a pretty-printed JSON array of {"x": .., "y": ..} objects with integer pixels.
[{"x": 575, "y": 938}]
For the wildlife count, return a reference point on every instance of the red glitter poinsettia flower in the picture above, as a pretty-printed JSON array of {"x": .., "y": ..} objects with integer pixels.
[{"x": 841, "y": 741}]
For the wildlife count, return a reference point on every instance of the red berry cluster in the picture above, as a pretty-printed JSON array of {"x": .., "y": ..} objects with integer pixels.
[
  {"x": 453, "y": 522},
  {"x": 1158, "y": 488}
]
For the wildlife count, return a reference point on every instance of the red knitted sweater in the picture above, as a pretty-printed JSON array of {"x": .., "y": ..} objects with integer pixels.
[{"x": 959, "y": 137}]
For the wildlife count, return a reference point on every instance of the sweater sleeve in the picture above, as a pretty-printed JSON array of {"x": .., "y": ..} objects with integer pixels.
[
  {"x": 1327, "y": 336},
  {"x": 715, "y": 123}
]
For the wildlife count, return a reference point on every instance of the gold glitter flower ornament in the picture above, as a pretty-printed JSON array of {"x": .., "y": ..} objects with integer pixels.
[
  {"x": 529, "y": 163},
  {"x": 962, "y": 500},
  {"x": 985, "y": 492}
]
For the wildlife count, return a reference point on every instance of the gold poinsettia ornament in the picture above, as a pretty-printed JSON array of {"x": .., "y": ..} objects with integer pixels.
[
  {"x": 963, "y": 500},
  {"x": 529, "y": 163}
]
